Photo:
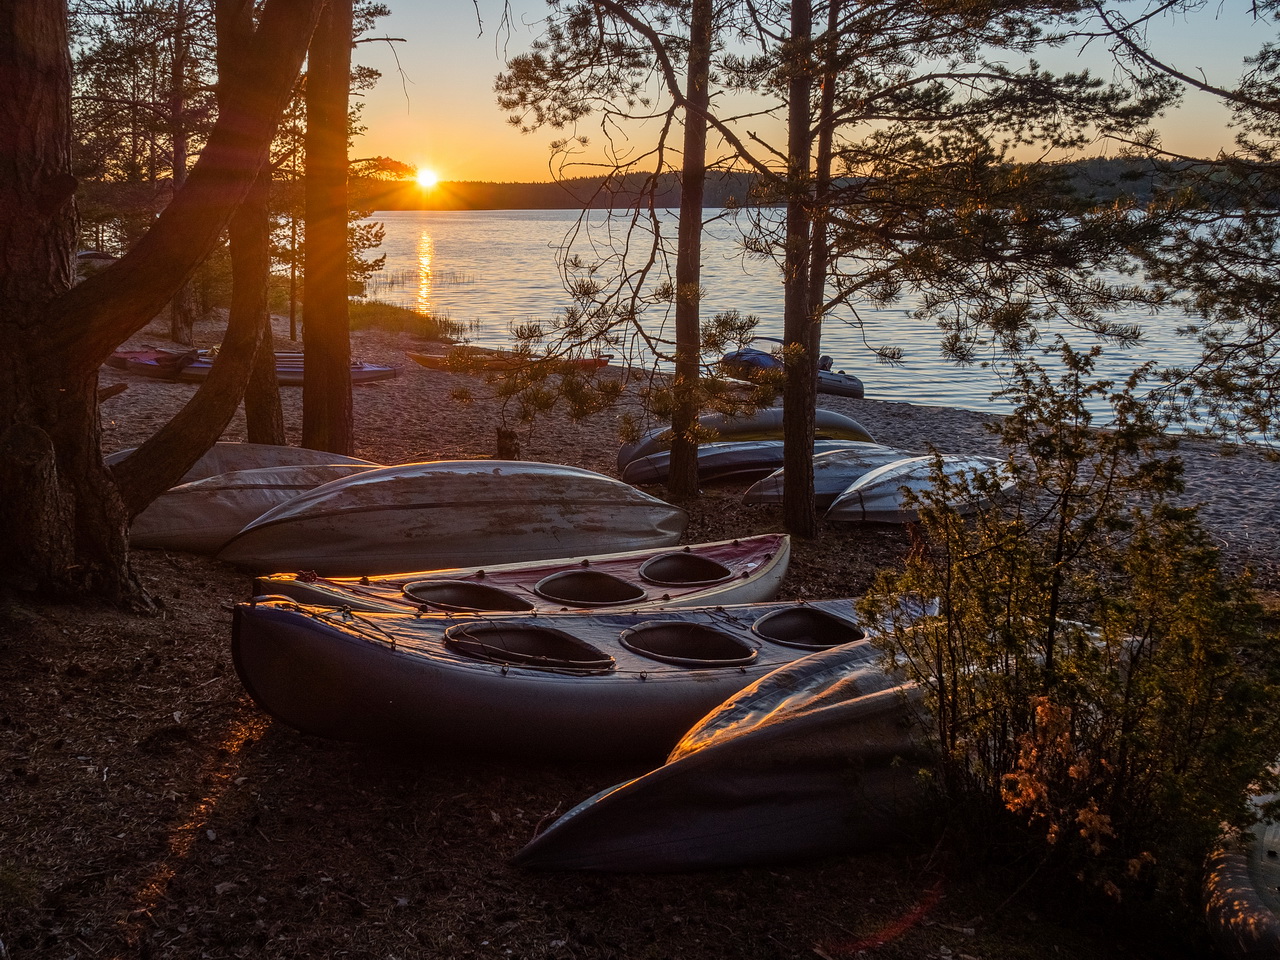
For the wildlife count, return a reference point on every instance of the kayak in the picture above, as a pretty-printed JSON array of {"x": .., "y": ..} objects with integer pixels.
[
  {"x": 605, "y": 684},
  {"x": 492, "y": 359},
  {"x": 763, "y": 424},
  {"x": 226, "y": 456},
  {"x": 453, "y": 513},
  {"x": 729, "y": 460},
  {"x": 834, "y": 469},
  {"x": 819, "y": 757},
  {"x": 883, "y": 495},
  {"x": 747, "y": 570},
  {"x": 1242, "y": 887},
  {"x": 752, "y": 365},
  {"x": 202, "y": 515}
]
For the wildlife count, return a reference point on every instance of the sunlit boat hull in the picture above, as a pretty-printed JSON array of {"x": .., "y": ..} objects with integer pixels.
[
  {"x": 203, "y": 515},
  {"x": 453, "y": 513},
  {"x": 747, "y": 570},
  {"x": 601, "y": 685}
]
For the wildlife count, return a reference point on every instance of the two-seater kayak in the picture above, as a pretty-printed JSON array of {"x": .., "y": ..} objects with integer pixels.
[
  {"x": 745, "y": 570},
  {"x": 604, "y": 684}
]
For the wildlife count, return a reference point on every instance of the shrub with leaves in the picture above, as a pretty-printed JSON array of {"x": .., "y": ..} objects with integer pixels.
[{"x": 1097, "y": 686}]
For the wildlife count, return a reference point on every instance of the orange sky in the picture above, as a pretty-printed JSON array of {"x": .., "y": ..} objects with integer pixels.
[{"x": 435, "y": 105}]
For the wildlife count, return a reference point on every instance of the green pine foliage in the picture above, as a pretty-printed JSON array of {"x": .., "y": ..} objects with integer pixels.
[{"x": 1100, "y": 691}]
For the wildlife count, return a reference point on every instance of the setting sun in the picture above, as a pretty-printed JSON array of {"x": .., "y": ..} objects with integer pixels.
[{"x": 427, "y": 178}]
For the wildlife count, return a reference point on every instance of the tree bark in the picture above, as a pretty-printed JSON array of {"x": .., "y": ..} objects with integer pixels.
[
  {"x": 682, "y": 479},
  {"x": 326, "y": 376},
  {"x": 250, "y": 237},
  {"x": 71, "y": 511},
  {"x": 800, "y": 388}
]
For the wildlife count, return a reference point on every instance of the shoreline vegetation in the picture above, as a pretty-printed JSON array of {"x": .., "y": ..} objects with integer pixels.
[{"x": 152, "y": 810}]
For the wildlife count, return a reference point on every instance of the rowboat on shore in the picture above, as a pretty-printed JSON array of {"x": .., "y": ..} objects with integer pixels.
[
  {"x": 819, "y": 757},
  {"x": 584, "y": 685},
  {"x": 763, "y": 424},
  {"x": 194, "y": 366},
  {"x": 728, "y": 460},
  {"x": 753, "y": 365},
  {"x": 747, "y": 570},
  {"x": 453, "y": 513},
  {"x": 489, "y": 358},
  {"x": 201, "y": 516},
  {"x": 834, "y": 470},
  {"x": 226, "y": 456},
  {"x": 883, "y": 495}
]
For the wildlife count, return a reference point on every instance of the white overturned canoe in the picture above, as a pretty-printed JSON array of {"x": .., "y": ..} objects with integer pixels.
[
  {"x": 453, "y": 513},
  {"x": 747, "y": 570},
  {"x": 878, "y": 496},
  {"x": 817, "y": 758},
  {"x": 728, "y": 460},
  {"x": 203, "y": 515},
  {"x": 834, "y": 469},
  {"x": 608, "y": 684},
  {"x": 225, "y": 456},
  {"x": 762, "y": 425}
]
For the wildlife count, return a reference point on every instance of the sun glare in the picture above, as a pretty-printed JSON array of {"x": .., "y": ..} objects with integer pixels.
[{"x": 427, "y": 178}]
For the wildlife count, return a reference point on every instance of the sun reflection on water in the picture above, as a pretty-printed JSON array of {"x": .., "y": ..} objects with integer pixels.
[{"x": 426, "y": 254}]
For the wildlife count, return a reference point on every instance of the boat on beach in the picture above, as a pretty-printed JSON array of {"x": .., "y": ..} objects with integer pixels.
[
  {"x": 834, "y": 469},
  {"x": 453, "y": 513},
  {"x": 752, "y": 365},
  {"x": 490, "y": 358},
  {"x": 746, "y": 570},
  {"x": 605, "y": 684},
  {"x": 201, "y": 516},
  {"x": 194, "y": 366},
  {"x": 763, "y": 424},
  {"x": 226, "y": 456},
  {"x": 819, "y": 757},
  {"x": 728, "y": 460},
  {"x": 882, "y": 495},
  {"x": 1242, "y": 891}
]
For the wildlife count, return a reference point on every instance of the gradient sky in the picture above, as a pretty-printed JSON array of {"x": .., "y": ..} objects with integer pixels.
[{"x": 435, "y": 107}]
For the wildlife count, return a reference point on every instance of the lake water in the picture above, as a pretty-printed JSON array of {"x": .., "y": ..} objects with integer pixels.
[{"x": 494, "y": 269}]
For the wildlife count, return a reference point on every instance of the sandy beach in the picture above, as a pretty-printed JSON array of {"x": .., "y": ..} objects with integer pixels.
[{"x": 152, "y": 810}]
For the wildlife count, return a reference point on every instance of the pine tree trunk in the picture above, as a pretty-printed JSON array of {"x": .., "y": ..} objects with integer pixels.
[
  {"x": 326, "y": 386},
  {"x": 64, "y": 526},
  {"x": 682, "y": 479},
  {"x": 250, "y": 276}
]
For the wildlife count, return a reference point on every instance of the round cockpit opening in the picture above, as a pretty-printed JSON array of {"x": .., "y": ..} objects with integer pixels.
[
  {"x": 465, "y": 595},
  {"x": 684, "y": 570},
  {"x": 526, "y": 645},
  {"x": 588, "y": 588},
  {"x": 688, "y": 644},
  {"x": 806, "y": 628}
]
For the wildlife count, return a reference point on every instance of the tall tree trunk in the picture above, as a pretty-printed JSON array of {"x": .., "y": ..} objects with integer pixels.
[
  {"x": 182, "y": 308},
  {"x": 50, "y": 460},
  {"x": 65, "y": 515},
  {"x": 250, "y": 236},
  {"x": 800, "y": 388},
  {"x": 326, "y": 378},
  {"x": 682, "y": 480}
]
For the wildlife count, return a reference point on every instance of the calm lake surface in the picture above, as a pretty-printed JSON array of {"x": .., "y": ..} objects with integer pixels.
[{"x": 494, "y": 269}]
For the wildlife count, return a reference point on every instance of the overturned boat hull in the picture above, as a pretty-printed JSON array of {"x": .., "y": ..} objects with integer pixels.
[{"x": 453, "y": 513}]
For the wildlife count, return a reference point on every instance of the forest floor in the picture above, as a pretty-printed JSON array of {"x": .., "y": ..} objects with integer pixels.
[{"x": 149, "y": 809}]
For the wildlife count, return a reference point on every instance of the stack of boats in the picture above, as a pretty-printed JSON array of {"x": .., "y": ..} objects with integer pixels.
[{"x": 855, "y": 479}]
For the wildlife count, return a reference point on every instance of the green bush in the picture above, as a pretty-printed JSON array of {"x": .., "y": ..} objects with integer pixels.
[{"x": 1101, "y": 694}]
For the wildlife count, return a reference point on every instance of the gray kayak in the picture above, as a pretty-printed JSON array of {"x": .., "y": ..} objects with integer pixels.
[
  {"x": 453, "y": 513},
  {"x": 225, "y": 456},
  {"x": 606, "y": 684},
  {"x": 820, "y": 757},
  {"x": 1242, "y": 891},
  {"x": 729, "y": 460},
  {"x": 203, "y": 515},
  {"x": 762, "y": 425},
  {"x": 742, "y": 570},
  {"x": 881, "y": 495},
  {"x": 834, "y": 469}
]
